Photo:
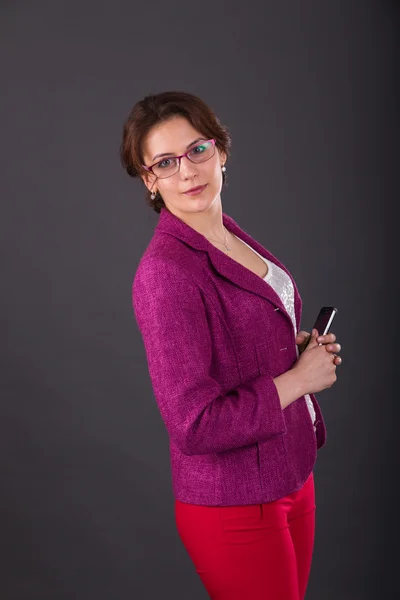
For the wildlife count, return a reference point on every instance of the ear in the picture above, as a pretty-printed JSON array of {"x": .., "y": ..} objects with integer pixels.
[
  {"x": 148, "y": 180},
  {"x": 222, "y": 157}
]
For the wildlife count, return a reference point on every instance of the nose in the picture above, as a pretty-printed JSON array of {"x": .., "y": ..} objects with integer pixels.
[{"x": 187, "y": 168}]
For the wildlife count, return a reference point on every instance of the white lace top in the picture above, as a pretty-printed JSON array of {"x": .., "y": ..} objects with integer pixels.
[{"x": 280, "y": 281}]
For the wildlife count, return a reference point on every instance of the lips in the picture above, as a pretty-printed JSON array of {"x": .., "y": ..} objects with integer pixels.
[{"x": 196, "y": 190}]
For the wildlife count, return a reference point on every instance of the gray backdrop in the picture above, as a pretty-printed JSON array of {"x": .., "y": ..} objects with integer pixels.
[{"x": 309, "y": 92}]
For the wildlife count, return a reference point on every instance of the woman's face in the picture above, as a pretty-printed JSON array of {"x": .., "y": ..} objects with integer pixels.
[{"x": 175, "y": 137}]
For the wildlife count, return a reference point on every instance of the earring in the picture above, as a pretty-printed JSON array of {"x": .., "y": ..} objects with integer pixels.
[
  {"x": 153, "y": 195},
  {"x": 223, "y": 169}
]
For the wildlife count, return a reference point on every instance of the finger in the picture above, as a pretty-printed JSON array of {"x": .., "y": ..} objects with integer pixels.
[
  {"x": 302, "y": 335},
  {"x": 337, "y": 360},
  {"x": 333, "y": 347},
  {"x": 328, "y": 338}
]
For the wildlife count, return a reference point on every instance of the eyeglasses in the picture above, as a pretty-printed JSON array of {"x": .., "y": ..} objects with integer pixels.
[{"x": 170, "y": 165}]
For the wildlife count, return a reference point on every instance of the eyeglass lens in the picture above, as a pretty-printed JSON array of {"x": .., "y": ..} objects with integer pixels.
[{"x": 170, "y": 165}]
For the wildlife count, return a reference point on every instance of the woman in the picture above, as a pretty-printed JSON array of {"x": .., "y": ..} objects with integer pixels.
[{"x": 219, "y": 316}]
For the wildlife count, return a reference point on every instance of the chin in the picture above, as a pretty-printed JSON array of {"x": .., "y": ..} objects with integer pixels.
[
  {"x": 193, "y": 204},
  {"x": 199, "y": 204}
]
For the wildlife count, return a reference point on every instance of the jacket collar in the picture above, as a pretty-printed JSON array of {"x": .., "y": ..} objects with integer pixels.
[{"x": 224, "y": 264}]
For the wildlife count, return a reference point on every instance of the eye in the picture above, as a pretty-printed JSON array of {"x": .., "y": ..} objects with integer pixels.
[
  {"x": 163, "y": 165},
  {"x": 199, "y": 149}
]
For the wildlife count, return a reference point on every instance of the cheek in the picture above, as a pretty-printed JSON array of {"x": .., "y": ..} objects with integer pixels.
[
  {"x": 169, "y": 186},
  {"x": 218, "y": 176},
  {"x": 214, "y": 173}
]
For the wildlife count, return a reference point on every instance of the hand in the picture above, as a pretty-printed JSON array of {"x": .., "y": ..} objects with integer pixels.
[
  {"x": 316, "y": 367},
  {"x": 326, "y": 340}
]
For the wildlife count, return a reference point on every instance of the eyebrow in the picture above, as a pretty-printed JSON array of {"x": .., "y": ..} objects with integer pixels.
[{"x": 187, "y": 147}]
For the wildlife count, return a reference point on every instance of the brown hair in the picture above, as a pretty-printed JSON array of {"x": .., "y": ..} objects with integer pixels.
[{"x": 156, "y": 109}]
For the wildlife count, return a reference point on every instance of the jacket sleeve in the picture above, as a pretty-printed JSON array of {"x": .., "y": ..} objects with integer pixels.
[{"x": 199, "y": 417}]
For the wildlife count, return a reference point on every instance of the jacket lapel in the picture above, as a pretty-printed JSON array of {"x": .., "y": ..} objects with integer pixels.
[{"x": 224, "y": 264}]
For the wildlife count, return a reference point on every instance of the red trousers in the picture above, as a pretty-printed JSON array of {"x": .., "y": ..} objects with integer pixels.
[{"x": 252, "y": 552}]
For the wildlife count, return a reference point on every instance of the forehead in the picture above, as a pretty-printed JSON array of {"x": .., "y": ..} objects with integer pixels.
[{"x": 170, "y": 136}]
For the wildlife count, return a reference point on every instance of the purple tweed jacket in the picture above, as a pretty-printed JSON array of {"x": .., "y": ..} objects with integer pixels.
[{"x": 215, "y": 336}]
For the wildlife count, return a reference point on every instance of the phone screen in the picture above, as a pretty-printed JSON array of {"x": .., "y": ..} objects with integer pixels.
[{"x": 324, "y": 319}]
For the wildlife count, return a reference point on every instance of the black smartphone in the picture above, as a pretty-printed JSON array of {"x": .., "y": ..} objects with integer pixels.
[{"x": 324, "y": 321}]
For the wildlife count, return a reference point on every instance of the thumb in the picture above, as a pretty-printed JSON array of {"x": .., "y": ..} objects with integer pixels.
[{"x": 313, "y": 339}]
